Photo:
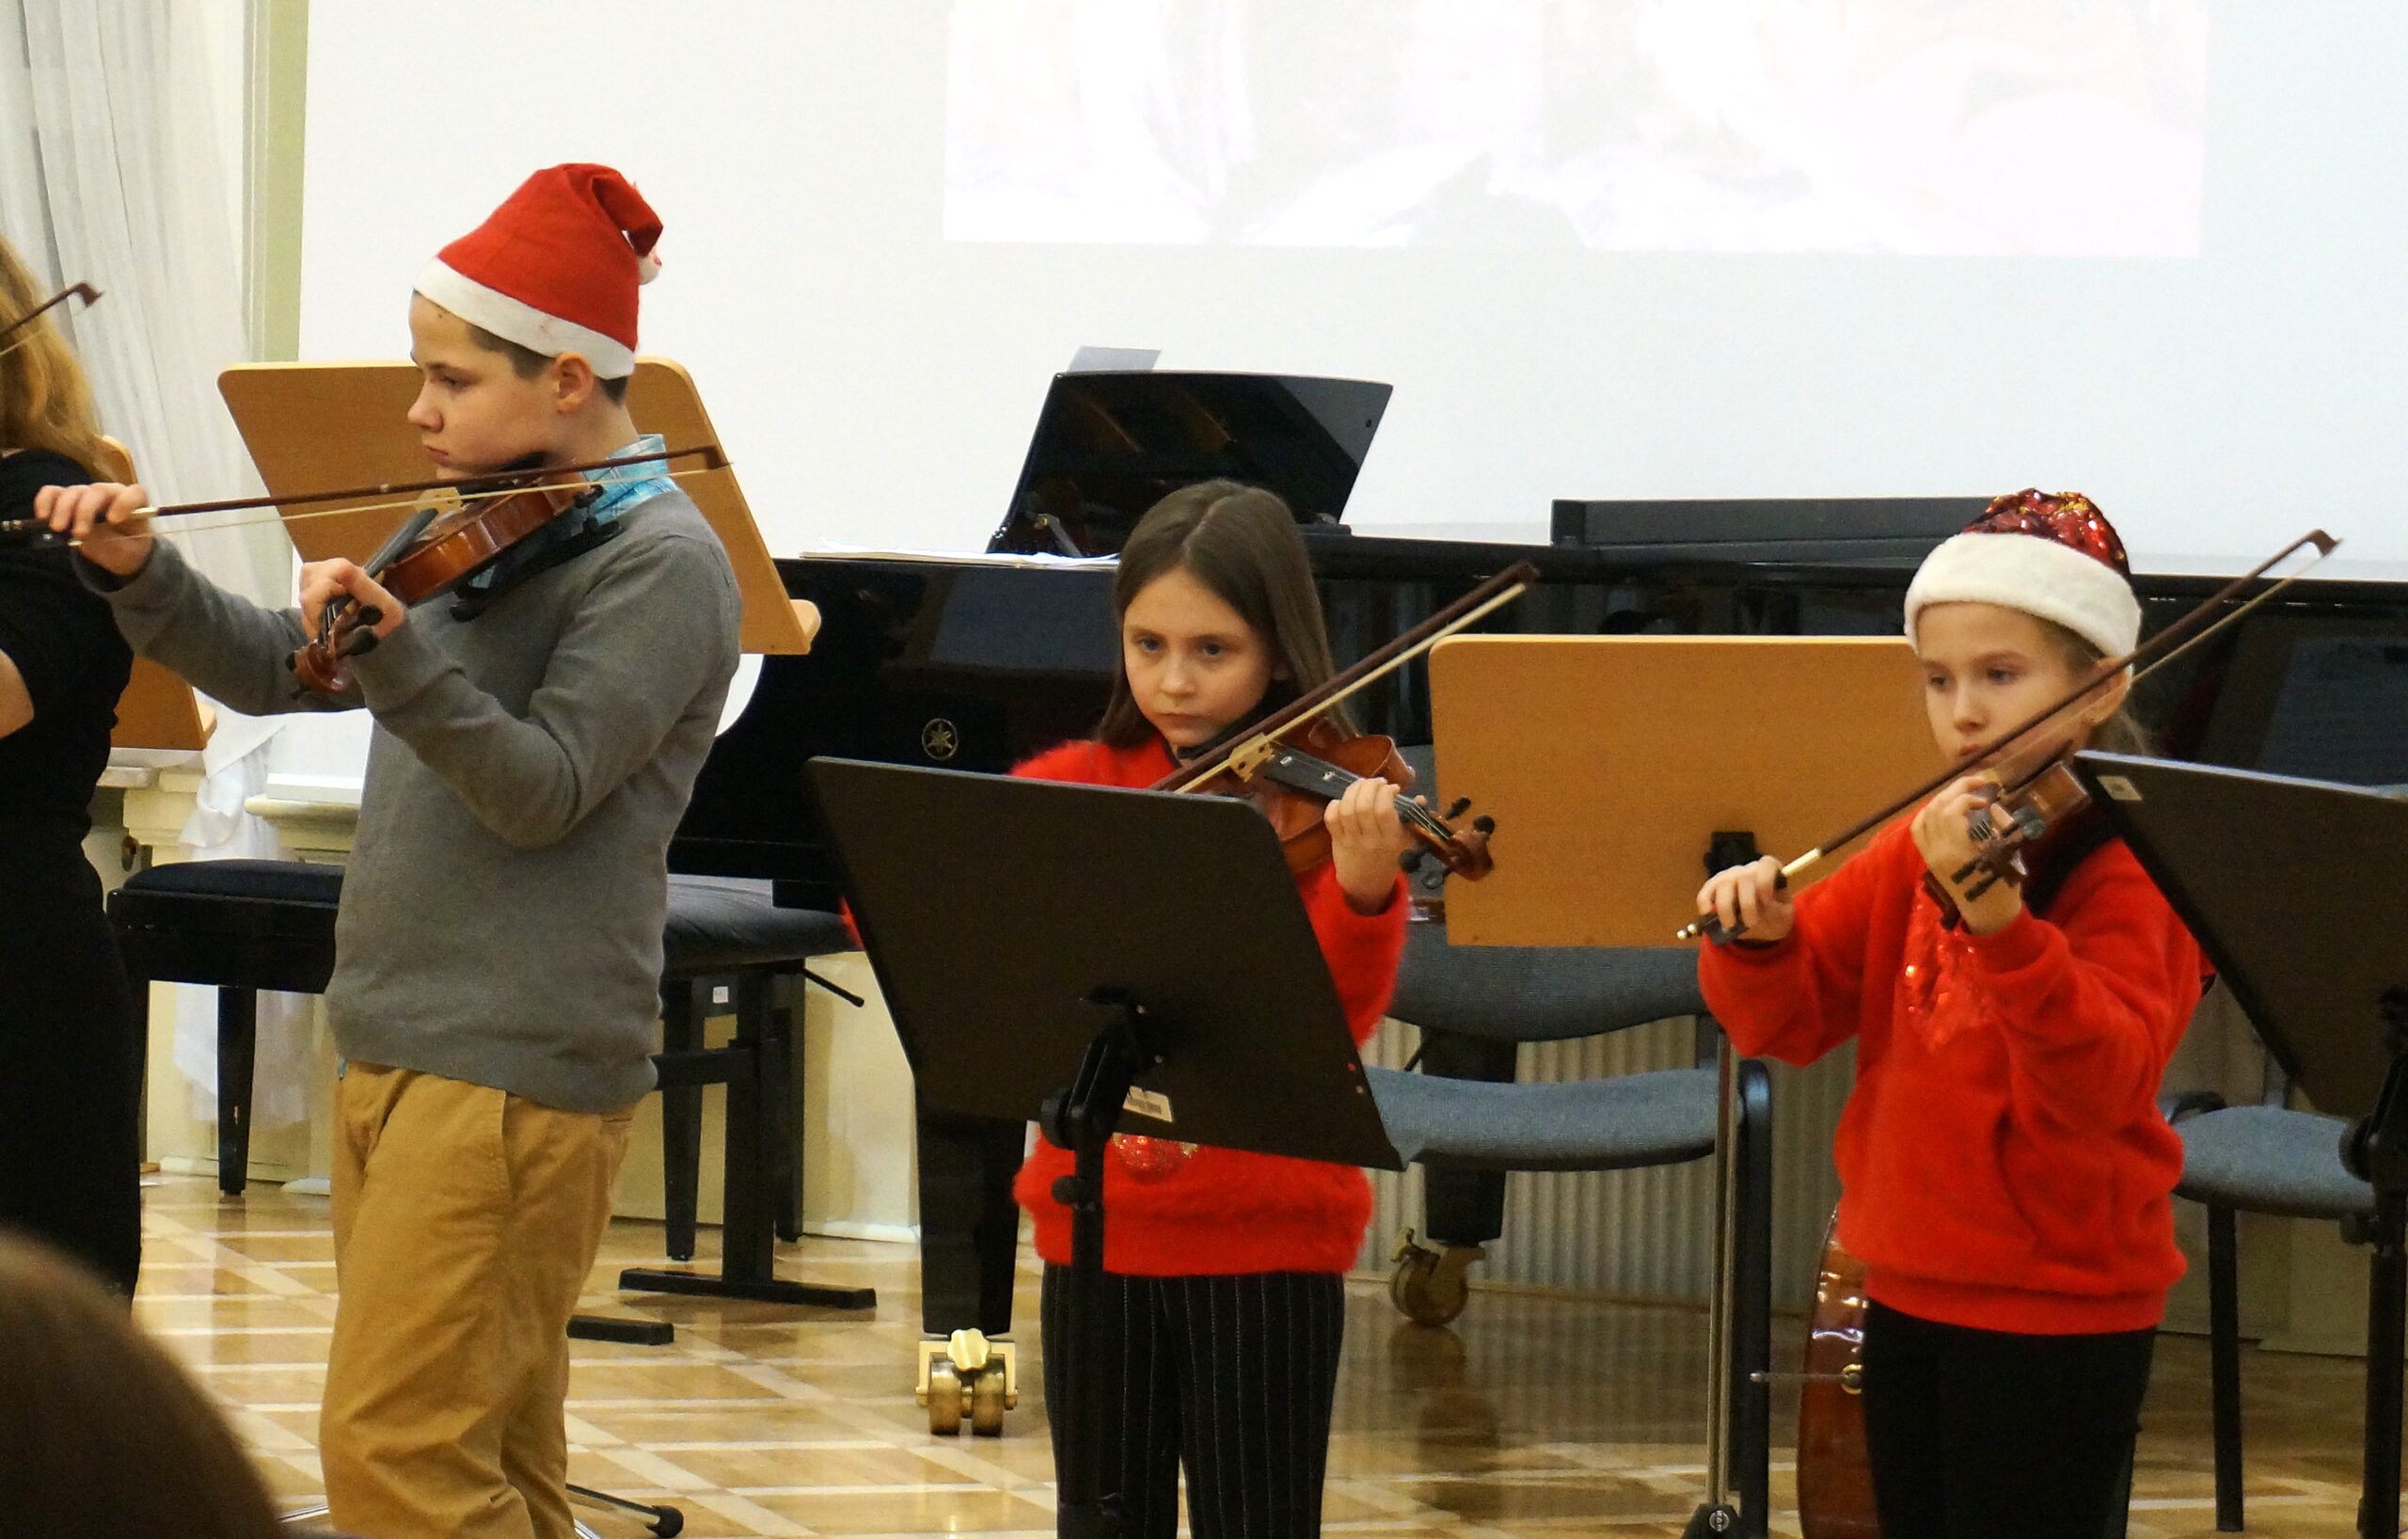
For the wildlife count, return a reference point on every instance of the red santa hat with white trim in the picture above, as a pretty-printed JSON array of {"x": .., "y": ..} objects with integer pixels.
[
  {"x": 2054, "y": 556},
  {"x": 556, "y": 268}
]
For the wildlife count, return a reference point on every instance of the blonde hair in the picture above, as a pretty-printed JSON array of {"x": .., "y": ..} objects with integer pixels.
[
  {"x": 46, "y": 401},
  {"x": 2121, "y": 732}
]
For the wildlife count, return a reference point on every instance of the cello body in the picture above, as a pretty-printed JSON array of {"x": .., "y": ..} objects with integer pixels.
[{"x": 1835, "y": 1477}]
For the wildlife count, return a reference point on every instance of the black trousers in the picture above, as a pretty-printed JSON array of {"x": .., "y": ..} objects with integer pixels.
[
  {"x": 1231, "y": 1377},
  {"x": 70, "y": 1063},
  {"x": 1989, "y": 1434}
]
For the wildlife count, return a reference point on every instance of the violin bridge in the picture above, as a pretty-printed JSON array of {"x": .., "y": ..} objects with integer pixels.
[{"x": 1250, "y": 757}]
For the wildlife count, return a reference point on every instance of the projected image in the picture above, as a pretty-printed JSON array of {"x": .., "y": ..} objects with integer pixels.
[{"x": 1919, "y": 127}]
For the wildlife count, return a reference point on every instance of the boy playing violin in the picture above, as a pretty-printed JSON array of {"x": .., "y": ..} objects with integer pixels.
[{"x": 499, "y": 946}]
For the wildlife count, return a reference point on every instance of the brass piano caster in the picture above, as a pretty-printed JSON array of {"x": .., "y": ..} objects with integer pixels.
[
  {"x": 1428, "y": 1286},
  {"x": 968, "y": 1375}
]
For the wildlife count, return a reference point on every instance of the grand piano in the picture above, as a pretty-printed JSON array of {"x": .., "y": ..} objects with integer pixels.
[{"x": 974, "y": 662}]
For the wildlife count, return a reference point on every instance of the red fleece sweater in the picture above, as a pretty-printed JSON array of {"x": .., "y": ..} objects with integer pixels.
[
  {"x": 2003, "y": 1161},
  {"x": 1225, "y": 1211}
]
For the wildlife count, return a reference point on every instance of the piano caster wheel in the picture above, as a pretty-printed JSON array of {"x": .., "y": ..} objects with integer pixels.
[
  {"x": 942, "y": 1398},
  {"x": 1428, "y": 1286},
  {"x": 988, "y": 1402},
  {"x": 968, "y": 1372}
]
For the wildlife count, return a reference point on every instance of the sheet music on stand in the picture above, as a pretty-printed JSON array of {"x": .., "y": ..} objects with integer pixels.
[{"x": 1111, "y": 360}]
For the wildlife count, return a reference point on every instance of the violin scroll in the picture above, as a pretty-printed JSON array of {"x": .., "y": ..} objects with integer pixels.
[{"x": 2009, "y": 823}]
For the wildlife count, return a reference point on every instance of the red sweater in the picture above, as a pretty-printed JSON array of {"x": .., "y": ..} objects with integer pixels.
[
  {"x": 1225, "y": 1211},
  {"x": 2003, "y": 1161}
]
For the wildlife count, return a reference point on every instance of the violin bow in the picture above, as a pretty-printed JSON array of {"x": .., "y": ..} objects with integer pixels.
[
  {"x": 1246, "y": 747},
  {"x": 84, "y": 291},
  {"x": 2182, "y": 636},
  {"x": 476, "y": 489}
]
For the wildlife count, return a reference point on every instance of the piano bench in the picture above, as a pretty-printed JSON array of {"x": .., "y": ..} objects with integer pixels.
[
  {"x": 239, "y": 927},
  {"x": 728, "y": 932}
]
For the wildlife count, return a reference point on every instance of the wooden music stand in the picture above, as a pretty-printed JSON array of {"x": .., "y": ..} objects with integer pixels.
[
  {"x": 343, "y": 424},
  {"x": 1610, "y": 763},
  {"x": 1620, "y": 768},
  {"x": 160, "y": 711}
]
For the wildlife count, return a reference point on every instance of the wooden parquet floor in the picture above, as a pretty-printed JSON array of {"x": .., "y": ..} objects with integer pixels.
[{"x": 1534, "y": 1414}]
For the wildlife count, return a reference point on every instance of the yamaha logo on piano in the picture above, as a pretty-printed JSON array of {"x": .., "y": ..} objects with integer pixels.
[{"x": 940, "y": 739}]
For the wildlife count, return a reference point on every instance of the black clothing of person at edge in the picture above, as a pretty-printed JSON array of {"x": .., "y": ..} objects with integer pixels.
[{"x": 70, "y": 1034}]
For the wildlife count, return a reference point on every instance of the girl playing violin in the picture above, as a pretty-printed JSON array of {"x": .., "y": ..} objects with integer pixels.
[
  {"x": 1223, "y": 1307},
  {"x": 2005, "y": 1172}
]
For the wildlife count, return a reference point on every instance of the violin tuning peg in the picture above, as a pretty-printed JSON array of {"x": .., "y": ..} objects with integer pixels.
[
  {"x": 1484, "y": 824},
  {"x": 1456, "y": 808}
]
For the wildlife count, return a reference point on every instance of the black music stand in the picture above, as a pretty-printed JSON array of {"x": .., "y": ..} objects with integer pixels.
[
  {"x": 2295, "y": 889},
  {"x": 1094, "y": 956}
]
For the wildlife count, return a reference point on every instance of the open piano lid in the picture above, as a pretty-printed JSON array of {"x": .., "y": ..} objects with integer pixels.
[{"x": 1109, "y": 445}]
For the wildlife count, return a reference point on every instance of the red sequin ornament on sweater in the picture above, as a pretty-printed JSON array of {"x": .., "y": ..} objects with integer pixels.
[{"x": 1938, "y": 992}]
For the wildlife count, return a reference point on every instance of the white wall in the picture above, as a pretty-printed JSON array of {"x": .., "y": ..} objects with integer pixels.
[{"x": 876, "y": 384}]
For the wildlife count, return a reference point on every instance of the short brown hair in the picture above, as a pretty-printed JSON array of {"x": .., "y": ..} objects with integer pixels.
[
  {"x": 1240, "y": 542},
  {"x": 527, "y": 363},
  {"x": 100, "y": 1431}
]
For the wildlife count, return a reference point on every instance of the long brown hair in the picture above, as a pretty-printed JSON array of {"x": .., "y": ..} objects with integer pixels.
[
  {"x": 100, "y": 1431},
  {"x": 44, "y": 401},
  {"x": 1240, "y": 542},
  {"x": 2121, "y": 732}
]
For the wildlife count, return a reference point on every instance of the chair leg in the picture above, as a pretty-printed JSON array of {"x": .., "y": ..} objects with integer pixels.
[
  {"x": 781, "y": 1065},
  {"x": 748, "y": 1248},
  {"x": 2224, "y": 1359},
  {"x": 681, "y": 1116},
  {"x": 1464, "y": 1207},
  {"x": 238, "y": 1021}
]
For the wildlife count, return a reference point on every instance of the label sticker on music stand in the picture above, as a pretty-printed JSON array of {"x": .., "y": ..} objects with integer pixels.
[
  {"x": 2120, "y": 787},
  {"x": 1148, "y": 1104}
]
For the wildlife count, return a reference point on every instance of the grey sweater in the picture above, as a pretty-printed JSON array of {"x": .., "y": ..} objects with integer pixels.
[{"x": 502, "y": 910}]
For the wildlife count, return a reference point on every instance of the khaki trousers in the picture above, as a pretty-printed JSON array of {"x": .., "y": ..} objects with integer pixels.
[{"x": 466, "y": 1221}]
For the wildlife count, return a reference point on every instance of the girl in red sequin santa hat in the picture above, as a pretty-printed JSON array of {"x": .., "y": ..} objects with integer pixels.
[{"x": 2006, "y": 1173}]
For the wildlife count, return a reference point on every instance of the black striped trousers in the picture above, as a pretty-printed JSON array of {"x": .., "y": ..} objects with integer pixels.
[{"x": 1230, "y": 1377}]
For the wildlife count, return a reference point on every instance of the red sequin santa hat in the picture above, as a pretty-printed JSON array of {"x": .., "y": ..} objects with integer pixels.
[
  {"x": 2054, "y": 556},
  {"x": 556, "y": 268}
]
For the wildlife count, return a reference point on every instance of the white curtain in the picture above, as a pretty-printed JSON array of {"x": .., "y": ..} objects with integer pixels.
[{"x": 110, "y": 174}]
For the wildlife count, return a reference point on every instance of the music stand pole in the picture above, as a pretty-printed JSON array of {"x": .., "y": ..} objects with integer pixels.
[{"x": 2375, "y": 1149}]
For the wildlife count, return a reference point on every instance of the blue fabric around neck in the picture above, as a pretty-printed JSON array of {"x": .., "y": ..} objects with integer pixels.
[{"x": 616, "y": 490}]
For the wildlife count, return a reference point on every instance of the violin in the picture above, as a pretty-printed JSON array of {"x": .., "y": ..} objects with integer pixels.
[
  {"x": 2026, "y": 808},
  {"x": 2006, "y": 828},
  {"x": 433, "y": 550},
  {"x": 1301, "y": 758},
  {"x": 1294, "y": 779},
  {"x": 428, "y": 556}
]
